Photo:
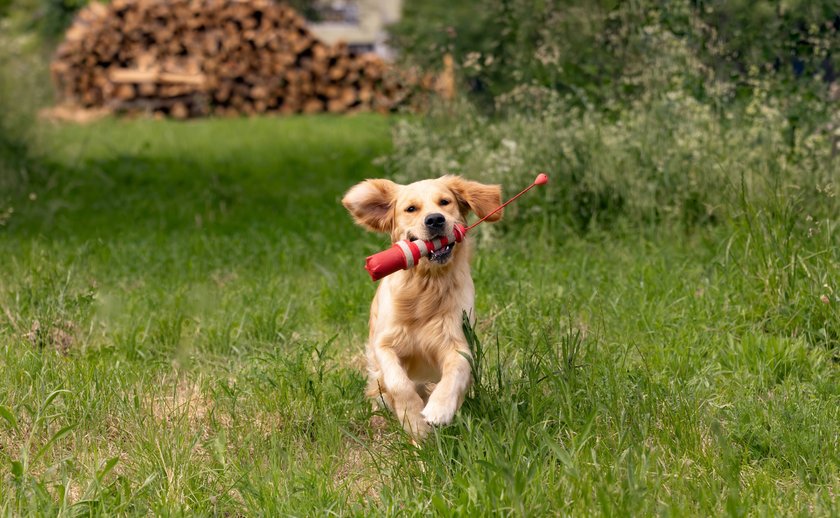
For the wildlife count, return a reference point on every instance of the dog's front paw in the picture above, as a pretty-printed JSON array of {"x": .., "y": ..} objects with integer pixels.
[
  {"x": 418, "y": 428},
  {"x": 415, "y": 425},
  {"x": 409, "y": 415},
  {"x": 439, "y": 413}
]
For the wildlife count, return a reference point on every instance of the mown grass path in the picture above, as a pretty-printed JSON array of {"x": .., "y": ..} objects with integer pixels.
[{"x": 182, "y": 316}]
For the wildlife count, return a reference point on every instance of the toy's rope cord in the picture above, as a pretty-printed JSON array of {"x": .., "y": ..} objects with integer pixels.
[{"x": 502, "y": 206}]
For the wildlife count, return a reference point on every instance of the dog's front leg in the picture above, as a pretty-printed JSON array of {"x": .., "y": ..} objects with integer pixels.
[
  {"x": 407, "y": 403},
  {"x": 450, "y": 391}
]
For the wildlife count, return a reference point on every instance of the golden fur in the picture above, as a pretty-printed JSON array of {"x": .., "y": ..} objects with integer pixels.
[{"x": 416, "y": 352}]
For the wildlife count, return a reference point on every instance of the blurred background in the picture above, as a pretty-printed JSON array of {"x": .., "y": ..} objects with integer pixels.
[
  {"x": 183, "y": 304},
  {"x": 619, "y": 96}
]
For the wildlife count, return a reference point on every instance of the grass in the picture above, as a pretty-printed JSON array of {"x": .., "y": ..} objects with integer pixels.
[{"x": 183, "y": 312}]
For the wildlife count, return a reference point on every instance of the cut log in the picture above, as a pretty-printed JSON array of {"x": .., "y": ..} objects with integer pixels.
[{"x": 235, "y": 56}]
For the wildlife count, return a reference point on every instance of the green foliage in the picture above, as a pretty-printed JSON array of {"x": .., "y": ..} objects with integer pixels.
[
  {"x": 22, "y": 90},
  {"x": 798, "y": 35},
  {"x": 12, "y": 127},
  {"x": 597, "y": 51},
  {"x": 644, "y": 113},
  {"x": 667, "y": 158},
  {"x": 56, "y": 16}
]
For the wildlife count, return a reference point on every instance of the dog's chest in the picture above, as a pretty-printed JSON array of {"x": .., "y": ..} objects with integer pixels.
[
  {"x": 427, "y": 303},
  {"x": 419, "y": 318}
]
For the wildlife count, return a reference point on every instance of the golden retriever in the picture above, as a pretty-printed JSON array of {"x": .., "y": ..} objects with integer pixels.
[{"x": 417, "y": 354}]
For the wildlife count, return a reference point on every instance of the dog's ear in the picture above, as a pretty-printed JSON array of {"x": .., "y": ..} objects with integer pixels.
[
  {"x": 478, "y": 197},
  {"x": 371, "y": 204}
]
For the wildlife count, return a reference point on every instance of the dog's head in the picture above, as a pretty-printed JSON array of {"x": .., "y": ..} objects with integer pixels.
[{"x": 422, "y": 210}]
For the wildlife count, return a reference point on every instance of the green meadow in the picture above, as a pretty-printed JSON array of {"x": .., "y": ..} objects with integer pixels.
[{"x": 183, "y": 312}]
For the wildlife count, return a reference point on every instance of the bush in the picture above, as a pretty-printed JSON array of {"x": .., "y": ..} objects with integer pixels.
[
  {"x": 643, "y": 111},
  {"x": 597, "y": 50},
  {"x": 667, "y": 157}
]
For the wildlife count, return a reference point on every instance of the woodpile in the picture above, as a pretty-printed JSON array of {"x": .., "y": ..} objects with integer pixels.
[{"x": 189, "y": 58}]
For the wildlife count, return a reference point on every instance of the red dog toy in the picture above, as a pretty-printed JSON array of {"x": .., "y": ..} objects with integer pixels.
[{"x": 405, "y": 254}]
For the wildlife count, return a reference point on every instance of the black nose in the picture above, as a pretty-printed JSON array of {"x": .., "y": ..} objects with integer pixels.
[{"x": 435, "y": 221}]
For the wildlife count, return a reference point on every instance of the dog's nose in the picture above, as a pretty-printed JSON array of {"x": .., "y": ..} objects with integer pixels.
[{"x": 435, "y": 221}]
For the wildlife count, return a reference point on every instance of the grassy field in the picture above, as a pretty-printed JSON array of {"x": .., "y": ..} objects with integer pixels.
[{"x": 182, "y": 319}]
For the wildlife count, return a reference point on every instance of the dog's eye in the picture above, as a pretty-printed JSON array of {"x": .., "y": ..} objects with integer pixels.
[
  {"x": 411, "y": 208},
  {"x": 444, "y": 202}
]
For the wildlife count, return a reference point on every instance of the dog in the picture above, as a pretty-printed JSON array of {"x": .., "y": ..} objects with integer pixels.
[{"x": 418, "y": 358}]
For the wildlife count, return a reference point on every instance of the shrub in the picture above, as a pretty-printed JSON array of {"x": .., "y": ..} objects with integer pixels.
[
  {"x": 643, "y": 111},
  {"x": 597, "y": 50},
  {"x": 666, "y": 157}
]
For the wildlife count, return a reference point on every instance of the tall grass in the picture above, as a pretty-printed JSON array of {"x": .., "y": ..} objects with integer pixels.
[
  {"x": 183, "y": 312},
  {"x": 668, "y": 158},
  {"x": 645, "y": 112}
]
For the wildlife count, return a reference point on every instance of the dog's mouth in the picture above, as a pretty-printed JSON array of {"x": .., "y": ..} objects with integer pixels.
[{"x": 440, "y": 256}]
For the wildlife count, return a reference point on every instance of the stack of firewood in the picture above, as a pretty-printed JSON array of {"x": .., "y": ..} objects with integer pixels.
[{"x": 187, "y": 58}]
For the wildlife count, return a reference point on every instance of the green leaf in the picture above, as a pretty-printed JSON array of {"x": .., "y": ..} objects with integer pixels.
[
  {"x": 8, "y": 416},
  {"x": 58, "y": 435},
  {"x": 17, "y": 469},
  {"x": 562, "y": 455},
  {"x": 440, "y": 505},
  {"x": 107, "y": 467},
  {"x": 60, "y": 490},
  {"x": 50, "y": 398},
  {"x": 151, "y": 478}
]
